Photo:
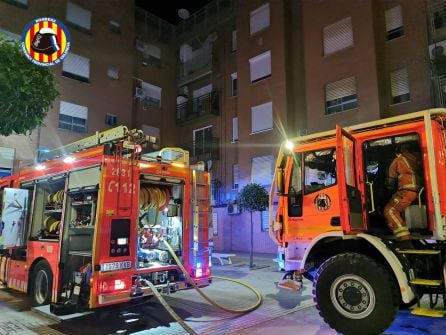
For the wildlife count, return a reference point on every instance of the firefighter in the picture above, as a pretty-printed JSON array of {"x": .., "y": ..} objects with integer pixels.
[{"x": 404, "y": 175}]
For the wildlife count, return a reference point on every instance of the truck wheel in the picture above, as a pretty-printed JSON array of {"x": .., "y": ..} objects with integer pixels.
[
  {"x": 355, "y": 294},
  {"x": 41, "y": 284}
]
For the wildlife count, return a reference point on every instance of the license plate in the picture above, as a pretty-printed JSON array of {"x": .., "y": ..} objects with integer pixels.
[{"x": 113, "y": 266}]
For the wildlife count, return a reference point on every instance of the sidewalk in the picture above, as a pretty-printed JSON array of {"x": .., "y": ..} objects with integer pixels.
[{"x": 242, "y": 259}]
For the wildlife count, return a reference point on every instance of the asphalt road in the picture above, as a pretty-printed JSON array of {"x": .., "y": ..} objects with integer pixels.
[{"x": 282, "y": 312}]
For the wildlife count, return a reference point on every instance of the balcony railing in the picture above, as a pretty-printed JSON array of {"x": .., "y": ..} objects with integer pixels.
[
  {"x": 206, "y": 18},
  {"x": 439, "y": 86},
  {"x": 204, "y": 150},
  {"x": 205, "y": 105}
]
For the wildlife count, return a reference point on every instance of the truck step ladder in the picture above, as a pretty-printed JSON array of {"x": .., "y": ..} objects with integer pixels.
[{"x": 434, "y": 287}]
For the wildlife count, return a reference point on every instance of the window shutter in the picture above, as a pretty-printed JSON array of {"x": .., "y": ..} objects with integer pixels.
[
  {"x": 78, "y": 15},
  {"x": 262, "y": 170},
  {"x": 77, "y": 65},
  {"x": 6, "y": 158},
  {"x": 340, "y": 89},
  {"x": 394, "y": 18},
  {"x": 338, "y": 36},
  {"x": 259, "y": 19},
  {"x": 113, "y": 73},
  {"x": 153, "y": 51},
  {"x": 399, "y": 81},
  {"x": 214, "y": 223},
  {"x": 11, "y": 35},
  {"x": 262, "y": 117},
  {"x": 234, "y": 129},
  {"x": 260, "y": 66},
  {"x": 152, "y": 92},
  {"x": 73, "y": 110}
]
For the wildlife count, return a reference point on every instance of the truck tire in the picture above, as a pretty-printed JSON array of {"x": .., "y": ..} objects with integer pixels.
[
  {"x": 355, "y": 294},
  {"x": 41, "y": 284}
]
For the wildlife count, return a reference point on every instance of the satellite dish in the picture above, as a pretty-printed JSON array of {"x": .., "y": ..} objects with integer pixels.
[{"x": 183, "y": 13}]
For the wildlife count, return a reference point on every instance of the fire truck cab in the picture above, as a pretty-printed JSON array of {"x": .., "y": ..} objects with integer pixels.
[
  {"x": 329, "y": 191},
  {"x": 89, "y": 225}
]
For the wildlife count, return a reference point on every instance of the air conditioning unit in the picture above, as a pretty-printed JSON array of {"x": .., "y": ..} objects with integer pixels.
[{"x": 232, "y": 209}]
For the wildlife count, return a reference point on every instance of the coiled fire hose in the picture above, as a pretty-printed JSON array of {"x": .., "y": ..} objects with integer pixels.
[{"x": 200, "y": 291}]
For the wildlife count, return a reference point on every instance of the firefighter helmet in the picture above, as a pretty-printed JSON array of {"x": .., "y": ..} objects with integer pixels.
[{"x": 45, "y": 42}]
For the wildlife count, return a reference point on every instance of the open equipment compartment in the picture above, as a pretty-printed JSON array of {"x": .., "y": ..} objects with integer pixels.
[{"x": 160, "y": 219}]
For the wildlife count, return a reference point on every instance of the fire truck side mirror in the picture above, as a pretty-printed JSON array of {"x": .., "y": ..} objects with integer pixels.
[{"x": 280, "y": 185}]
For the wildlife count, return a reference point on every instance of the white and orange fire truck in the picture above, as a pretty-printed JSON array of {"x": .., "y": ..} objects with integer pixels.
[
  {"x": 88, "y": 226},
  {"x": 329, "y": 191}
]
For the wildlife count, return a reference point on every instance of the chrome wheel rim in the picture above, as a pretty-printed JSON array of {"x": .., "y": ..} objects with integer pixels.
[{"x": 352, "y": 296}]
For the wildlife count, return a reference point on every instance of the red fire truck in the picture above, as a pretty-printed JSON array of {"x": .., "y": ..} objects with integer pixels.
[
  {"x": 330, "y": 194},
  {"x": 88, "y": 226}
]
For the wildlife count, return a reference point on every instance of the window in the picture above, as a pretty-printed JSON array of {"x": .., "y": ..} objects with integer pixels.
[
  {"x": 265, "y": 218},
  {"x": 399, "y": 82},
  {"x": 438, "y": 18},
  {"x": 152, "y": 133},
  {"x": 340, "y": 96},
  {"x": 338, "y": 36},
  {"x": 234, "y": 129},
  {"x": 319, "y": 170},
  {"x": 151, "y": 95},
  {"x": 202, "y": 141},
  {"x": 259, "y": 19},
  {"x": 7, "y": 156},
  {"x": 394, "y": 23},
  {"x": 234, "y": 40},
  {"x": 260, "y": 66},
  {"x": 76, "y": 67},
  {"x": 202, "y": 99},
  {"x": 113, "y": 72},
  {"x": 234, "y": 84},
  {"x": 79, "y": 17},
  {"x": 262, "y": 170},
  {"x": 214, "y": 223},
  {"x": 18, "y": 3},
  {"x": 114, "y": 26},
  {"x": 10, "y": 35},
  {"x": 295, "y": 199},
  {"x": 235, "y": 178},
  {"x": 151, "y": 54},
  {"x": 111, "y": 119},
  {"x": 73, "y": 117},
  {"x": 262, "y": 117}
]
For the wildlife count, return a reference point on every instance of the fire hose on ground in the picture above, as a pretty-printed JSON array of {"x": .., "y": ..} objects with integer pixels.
[{"x": 200, "y": 291}]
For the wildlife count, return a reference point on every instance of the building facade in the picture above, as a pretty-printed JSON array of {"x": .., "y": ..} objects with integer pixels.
[{"x": 236, "y": 78}]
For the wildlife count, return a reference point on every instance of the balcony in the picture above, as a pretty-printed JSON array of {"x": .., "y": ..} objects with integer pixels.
[
  {"x": 437, "y": 18},
  {"x": 199, "y": 108},
  {"x": 204, "y": 150},
  {"x": 201, "y": 63},
  {"x": 207, "y": 18}
]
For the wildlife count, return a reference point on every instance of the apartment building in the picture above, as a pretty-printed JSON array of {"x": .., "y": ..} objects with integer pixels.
[
  {"x": 305, "y": 66},
  {"x": 95, "y": 80},
  {"x": 237, "y": 77}
]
